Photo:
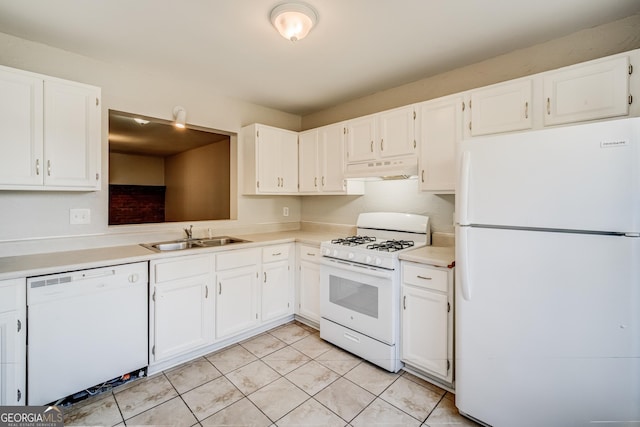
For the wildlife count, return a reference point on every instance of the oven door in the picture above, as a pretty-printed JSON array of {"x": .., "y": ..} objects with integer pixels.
[{"x": 360, "y": 298}]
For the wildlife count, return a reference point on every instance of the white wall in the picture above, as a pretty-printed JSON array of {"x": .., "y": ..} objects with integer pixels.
[
  {"x": 382, "y": 196},
  {"x": 32, "y": 215}
]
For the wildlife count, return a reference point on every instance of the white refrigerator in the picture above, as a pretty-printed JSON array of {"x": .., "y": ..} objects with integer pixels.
[{"x": 548, "y": 277}]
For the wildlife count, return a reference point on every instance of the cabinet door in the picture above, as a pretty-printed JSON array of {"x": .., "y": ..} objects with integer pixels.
[
  {"x": 396, "y": 132},
  {"x": 331, "y": 142},
  {"x": 20, "y": 129},
  {"x": 183, "y": 316},
  {"x": 268, "y": 148},
  {"x": 12, "y": 358},
  {"x": 308, "y": 162},
  {"x": 277, "y": 290},
  {"x": 236, "y": 302},
  {"x": 360, "y": 139},
  {"x": 440, "y": 131},
  {"x": 71, "y": 135},
  {"x": 587, "y": 92},
  {"x": 309, "y": 290},
  {"x": 288, "y": 156},
  {"x": 501, "y": 108},
  {"x": 425, "y": 331}
]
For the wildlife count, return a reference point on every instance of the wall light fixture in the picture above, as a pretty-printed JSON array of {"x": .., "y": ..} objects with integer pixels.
[{"x": 180, "y": 114}]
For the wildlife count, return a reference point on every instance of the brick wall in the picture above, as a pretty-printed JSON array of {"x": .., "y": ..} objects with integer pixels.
[{"x": 136, "y": 204}]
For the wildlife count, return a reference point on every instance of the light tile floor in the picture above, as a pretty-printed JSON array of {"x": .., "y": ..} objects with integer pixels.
[{"x": 285, "y": 377}]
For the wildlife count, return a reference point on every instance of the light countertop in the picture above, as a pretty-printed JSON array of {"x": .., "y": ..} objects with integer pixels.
[
  {"x": 56, "y": 262},
  {"x": 439, "y": 256}
]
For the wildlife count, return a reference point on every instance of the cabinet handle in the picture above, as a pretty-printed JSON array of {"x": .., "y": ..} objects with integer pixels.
[
  {"x": 382, "y": 144},
  {"x": 422, "y": 175},
  {"x": 372, "y": 146},
  {"x": 48, "y": 167},
  {"x": 19, "y": 325},
  {"x": 311, "y": 254},
  {"x": 463, "y": 106},
  {"x": 404, "y": 302},
  {"x": 277, "y": 254},
  {"x": 281, "y": 182},
  {"x": 206, "y": 291},
  {"x": 19, "y": 395},
  {"x": 424, "y": 278},
  {"x": 323, "y": 181},
  {"x": 37, "y": 166},
  {"x": 219, "y": 288},
  {"x": 469, "y": 125},
  {"x": 526, "y": 110},
  {"x": 315, "y": 181},
  {"x": 548, "y": 106},
  {"x": 265, "y": 277}
]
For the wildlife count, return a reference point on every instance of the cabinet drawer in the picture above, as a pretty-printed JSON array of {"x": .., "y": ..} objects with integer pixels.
[
  {"x": 12, "y": 295},
  {"x": 236, "y": 259},
  {"x": 425, "y": 277},
  {"x": 310, "y": 253},
  {"x": 182, "y": 268},
  {"x": 275, "y": 253}
]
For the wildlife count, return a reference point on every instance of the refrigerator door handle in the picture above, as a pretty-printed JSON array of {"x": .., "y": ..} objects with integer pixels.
[
  {"x": 463, "y": 188},
  {"x": 462, "y": 262}
]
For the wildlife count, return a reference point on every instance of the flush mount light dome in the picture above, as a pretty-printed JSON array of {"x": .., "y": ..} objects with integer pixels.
[
  {"x": 180, "y": 114},
  {"x": 293, "y": 20}
]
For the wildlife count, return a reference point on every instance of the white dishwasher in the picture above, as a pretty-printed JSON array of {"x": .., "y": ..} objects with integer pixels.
[{"x": 85, "y": 327}]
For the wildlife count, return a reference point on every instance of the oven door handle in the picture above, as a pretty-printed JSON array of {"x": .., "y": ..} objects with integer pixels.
[{"x": 356, "y": 268}]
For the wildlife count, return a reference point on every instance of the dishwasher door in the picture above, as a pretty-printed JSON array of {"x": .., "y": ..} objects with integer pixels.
[{"x": 85, "y": 327}]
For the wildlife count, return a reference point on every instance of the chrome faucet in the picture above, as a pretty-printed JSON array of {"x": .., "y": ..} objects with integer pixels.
[{"x": 189, "y": 232}]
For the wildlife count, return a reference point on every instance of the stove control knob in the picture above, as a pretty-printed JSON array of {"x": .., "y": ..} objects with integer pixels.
[
  {"x": 335, "y": 253},
  {"x": 327, "y": 251},
  {"x": 351, "y": 255},
  {"x": 368, "y": 259},
  {"x": 378, "y": 261}
]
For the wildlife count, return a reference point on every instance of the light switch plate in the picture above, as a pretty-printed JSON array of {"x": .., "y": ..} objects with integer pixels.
[{"x": 79, "y": 216}]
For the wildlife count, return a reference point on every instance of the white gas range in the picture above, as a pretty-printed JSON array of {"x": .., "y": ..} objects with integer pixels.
[{"x": 360, "y": 285}]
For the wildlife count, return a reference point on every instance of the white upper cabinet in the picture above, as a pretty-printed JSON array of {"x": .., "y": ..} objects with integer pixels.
[
  {"x": 504, "y": 107},
  {"x": 50, "y": 133},
  {"x": 21, "y": 127},
  {"x": 396, "y": 132},
  {"x": 321, "y": 159},
  {"x": 308, "y": 162},
  {"x": 361, "y": 139},
  {"x": 439, "y": 132},
  {"x": 587, "y": 92},
  {"x": 270, "y": 160},
  {"x": 331, "y": 158},
  {"x": 382, "y": 144},
  {"x": 71, "y": 134}
]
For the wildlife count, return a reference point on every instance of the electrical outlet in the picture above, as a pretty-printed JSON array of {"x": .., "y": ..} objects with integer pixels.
[
  {"x": 79, "y": 216},
  {"x": 285, "y": 211}
]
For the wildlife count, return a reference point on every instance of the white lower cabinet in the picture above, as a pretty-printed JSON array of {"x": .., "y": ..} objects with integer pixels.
[
  {"x": 237, "y": 291},
  {"x": 308, "y": 283},
  {"x": 13, "y": 344},
  {"x": 427, "y": 320},
  {"x": 182, "y": 305},
  {"x": 277, "y": 282}
]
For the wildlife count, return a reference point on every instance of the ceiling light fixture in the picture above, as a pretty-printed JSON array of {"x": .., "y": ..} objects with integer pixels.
[
  {"x": 180, "y": 114},
  {"x": 294, "y": 20},
  {"x": 140, "y": 121}
]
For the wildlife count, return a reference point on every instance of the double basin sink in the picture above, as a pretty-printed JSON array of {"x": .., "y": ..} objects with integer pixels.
[{"x": 177, "y": 245}]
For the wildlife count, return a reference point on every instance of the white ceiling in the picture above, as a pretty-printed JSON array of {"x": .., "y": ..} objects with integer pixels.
[{"x": 358, "y": 47}]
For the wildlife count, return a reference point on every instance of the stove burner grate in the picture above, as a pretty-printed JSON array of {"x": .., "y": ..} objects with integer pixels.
[
  {"x": 391, "y": 245},
  {"x": 354, "y": 240}
]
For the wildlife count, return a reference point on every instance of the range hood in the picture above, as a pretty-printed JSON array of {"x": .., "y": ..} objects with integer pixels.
[{"x": 396, "y": 168}]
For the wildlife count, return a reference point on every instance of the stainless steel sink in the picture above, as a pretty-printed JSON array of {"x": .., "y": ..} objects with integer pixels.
[{"x": 178, "y": 245}]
